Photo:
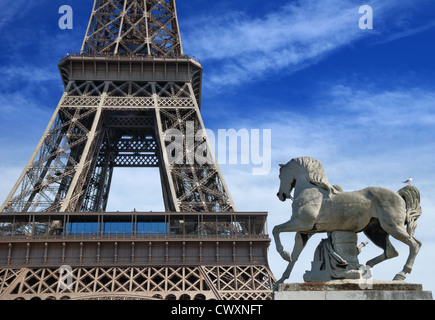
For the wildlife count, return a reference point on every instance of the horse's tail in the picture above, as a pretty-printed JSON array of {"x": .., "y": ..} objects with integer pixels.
[{"x": 411, "y": 195}]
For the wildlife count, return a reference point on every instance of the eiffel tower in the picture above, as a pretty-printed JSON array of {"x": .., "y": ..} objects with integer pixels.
[{"x": 130, "y": 87}]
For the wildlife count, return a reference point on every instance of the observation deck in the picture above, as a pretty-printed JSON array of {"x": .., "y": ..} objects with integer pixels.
[{"x": 132, "y": 239}]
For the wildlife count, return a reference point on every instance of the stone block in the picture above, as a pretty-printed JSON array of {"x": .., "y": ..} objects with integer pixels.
[{"x": 352, "y": 290}]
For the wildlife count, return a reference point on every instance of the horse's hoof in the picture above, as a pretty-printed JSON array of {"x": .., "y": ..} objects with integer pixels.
[
  {"x": 400, "y": 277},
  {"x": 286, "y": 256},
  {"x": 276, "y": 286}
]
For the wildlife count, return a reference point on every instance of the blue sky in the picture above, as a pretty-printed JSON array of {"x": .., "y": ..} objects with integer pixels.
[{"x": 360, "y": 101}]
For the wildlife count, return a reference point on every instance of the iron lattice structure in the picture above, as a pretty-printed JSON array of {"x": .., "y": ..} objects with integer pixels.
[
  {"x": 146, "y": 283},
  {"x": 125, "y": 92},
  {"x": 147, "y": 27}
]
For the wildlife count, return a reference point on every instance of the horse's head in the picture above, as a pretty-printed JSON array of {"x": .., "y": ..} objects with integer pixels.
[
  {"x": 307, "y": 167},
  {"x": 287, "y": 176}
]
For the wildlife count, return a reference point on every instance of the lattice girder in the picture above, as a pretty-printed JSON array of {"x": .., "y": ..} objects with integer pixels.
[
  {"x": 102, "y": 125},
  {"x": 192, "y": 282},
  {"x": 133, "y": 27}
]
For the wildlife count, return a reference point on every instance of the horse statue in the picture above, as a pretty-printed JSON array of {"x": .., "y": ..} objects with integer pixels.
[{"x": 319, "y": 207}]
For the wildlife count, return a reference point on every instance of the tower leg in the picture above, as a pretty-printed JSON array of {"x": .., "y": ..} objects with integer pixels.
[{"x": 76, "y": 188}]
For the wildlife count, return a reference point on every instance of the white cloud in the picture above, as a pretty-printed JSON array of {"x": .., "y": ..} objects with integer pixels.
[
  {"x": 30, "y": 73},
  {"x": 295, "y": 35},
  {"x": 8, "y": 176},
  {"x": 240, "y": 48},
  {"x": 407, "y": 33},
  {"x": 400, "y": 108},
  {"x": 136, "y": 188},
  {"x": 14, "y": 8}
]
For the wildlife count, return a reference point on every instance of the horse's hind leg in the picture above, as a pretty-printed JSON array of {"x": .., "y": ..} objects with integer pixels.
[
  {"x": 380, "y": 238},
  {"x": 399, "y": 233}
]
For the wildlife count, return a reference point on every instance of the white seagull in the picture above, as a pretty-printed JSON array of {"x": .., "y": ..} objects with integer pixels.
[{"x": 408, "y": 181}]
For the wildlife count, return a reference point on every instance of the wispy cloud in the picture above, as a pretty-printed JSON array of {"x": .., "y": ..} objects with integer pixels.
[
  {"x": 406, "y": 33},
  {"x": 29, "y": 73},
  {"x": 294, "y": 36},
  {"x": 23, "y": 120},
  {"x": 239, "y": 48},
  {"x": 352, "y": 125},
  {"x": 402, "y": 108},
  {"x": 14, "y": 8}
]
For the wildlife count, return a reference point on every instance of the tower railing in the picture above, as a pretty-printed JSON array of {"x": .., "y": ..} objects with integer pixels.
[{"x": 133, "y": 56}]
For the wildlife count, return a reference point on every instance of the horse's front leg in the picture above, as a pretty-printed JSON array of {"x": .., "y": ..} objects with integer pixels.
[
  {"x": 293, "y": 225},
  {"x": 279, "y": 247},
  {"x": 301, "y": 240}
]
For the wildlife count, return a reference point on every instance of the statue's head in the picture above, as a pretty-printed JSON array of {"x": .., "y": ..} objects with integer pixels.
[
  {"x": 287, "y": 176},
  {"x": 310, "y": 167}
]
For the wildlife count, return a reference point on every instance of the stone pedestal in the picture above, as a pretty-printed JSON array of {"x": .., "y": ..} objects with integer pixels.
[
  {"x": 352, "y": 290},
  {"x": 336, "y": 258},
  {"x": 345, "y": 245}
]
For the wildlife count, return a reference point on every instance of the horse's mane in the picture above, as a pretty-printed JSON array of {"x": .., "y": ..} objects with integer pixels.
[{"x": 317, "y": 174}]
